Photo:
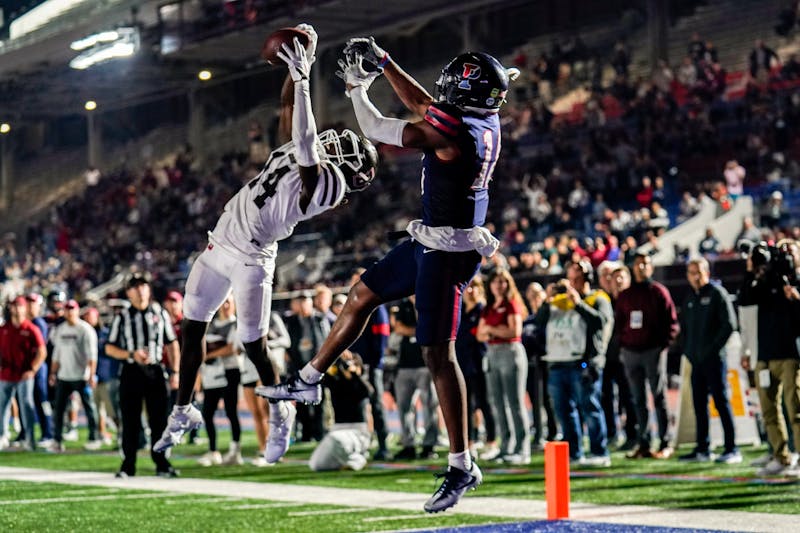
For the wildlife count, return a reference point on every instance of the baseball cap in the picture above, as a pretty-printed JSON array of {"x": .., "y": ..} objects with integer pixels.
[
  {"x": 339, "y": 299},
  {"x": 71, "y": 304},
  {"x": 137, "y": 279},
  {"x": 19, "y": 300},
  {"x": 34, "y": 297},
  {"x": 174, "y": 296}
]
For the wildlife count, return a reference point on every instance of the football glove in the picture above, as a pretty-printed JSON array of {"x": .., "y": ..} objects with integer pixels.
[
  {"x": 353, "y": 73},
  {"x": 368, "y": 49},
  {"x": 296, "y": 60},
  {"x": 311, "y": 47}
]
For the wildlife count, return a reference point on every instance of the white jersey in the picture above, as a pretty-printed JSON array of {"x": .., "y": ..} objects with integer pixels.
[{"x": 267, "y": 209}]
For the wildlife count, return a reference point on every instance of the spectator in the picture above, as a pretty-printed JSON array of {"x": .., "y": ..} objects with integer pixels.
[
  {"x": 221, "y": 374},
  {"x": 371, "y": 347},
  {"x": 323, "y": 298},
  {"x": 646, "y": 322},
  {"x": 40, "y": 398},
  {"x": 106, "y": 393},
  {"x": 579, "y": 322},
  {"x": 535, "y": 343},
  {"x": 709, "y": 247},
  {"x": 774, "y": 212},
  {"x": 471, "y": 355},
  {"x": 346, "y": 445},
  {"x": 413, "y": 376},
  {"x": 73, "y": 370},
  {"x": 696, "y": 48},
  {"x": 749, "y": 233},
  {"x": 687, "y": 73},
  {"x": 307, "y": 330},
  {"x": 22, "y": 351},
  {"x": 645, "y": 195},
  {"x": 507, "y": 374},
  {"x": 734, "y": 178},
  {"x": 138, "y": 336},
  {"x": 777, "y": 370},
  {"x": 762, "y": 58},
  {"x": 707, "y": 322}
]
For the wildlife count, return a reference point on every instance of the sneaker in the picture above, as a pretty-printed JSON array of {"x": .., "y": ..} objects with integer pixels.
[
  {"x": 93, "y": 445},
  {"x": 456, "y": 483},
  {"x": 71, "y": 435},
  {"x": 169, "y": 473},
  {"x": 122, "y": 475},
  {"x": 56, "y": 447},
  {"x": 177, "y": 424},
  {"x": 210, "y": 459},
  {"x": 428, "y": 453},
  {"x": 4, "y": 442},
  {"x": 730, "y": 458},
  {"x": 517, "y": 459},
  {"x": 234, "y": 455},
  {"x": 761, "y": 461},
  {"x": 260, "y": 462},
  {"x": 696, "y": 457},
  {"x": 293, "y": 388},
  {"x": 596, "y": 461},
  {"x": 381, "y": 454},
  {"x": 792, "y": 471},
  {"x": 492, "y": 452},
  {"x": 639, "y": 452},
  {"x": 406, "y": 454},
  {"x": 773, "y": 468},
  {"x": 280, "y": 430},
  {"x": 664, "y": 453},
  {"x": 45, "y": 443}
]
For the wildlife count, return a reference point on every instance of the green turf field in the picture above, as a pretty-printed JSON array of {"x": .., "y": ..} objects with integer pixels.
[{"x": 668, "y": 483}]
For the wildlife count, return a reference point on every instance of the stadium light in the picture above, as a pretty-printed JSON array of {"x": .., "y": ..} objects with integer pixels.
[
  {"x": 90, "y": 105},
  {"x": 88, "y": 42},
  {"x": 100, "y": 47},
  {"x": 204, "y": 75},
  {"x": 5, "y": 127}
]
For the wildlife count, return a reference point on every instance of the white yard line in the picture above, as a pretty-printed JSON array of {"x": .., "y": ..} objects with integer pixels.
[
  {"x": 36, "y": 501},
  {"x": 328, "y": 511},
  {"x": 472, "y": 504}
]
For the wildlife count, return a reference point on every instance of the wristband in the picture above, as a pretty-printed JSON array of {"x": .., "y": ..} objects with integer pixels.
[
  {"x": 130, "y": 357},
  {"x": 384, "y": 60}
]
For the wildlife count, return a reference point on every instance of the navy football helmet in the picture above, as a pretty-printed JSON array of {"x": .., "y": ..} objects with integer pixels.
[
  {"x": 473, "y": 81},
  {"x": 355, "y": 156}
]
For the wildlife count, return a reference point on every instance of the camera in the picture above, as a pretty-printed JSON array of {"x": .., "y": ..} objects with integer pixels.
[{"x": 774, "y": 264}]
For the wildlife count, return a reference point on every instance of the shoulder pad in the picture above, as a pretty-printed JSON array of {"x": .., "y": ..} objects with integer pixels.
[{"x": 445, "y": 118}]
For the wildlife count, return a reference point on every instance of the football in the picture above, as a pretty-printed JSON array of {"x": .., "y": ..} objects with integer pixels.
[{"x": 273, "y": 42}]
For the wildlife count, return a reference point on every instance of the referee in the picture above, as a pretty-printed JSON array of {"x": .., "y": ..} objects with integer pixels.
[{"x": 138, "y": 337}]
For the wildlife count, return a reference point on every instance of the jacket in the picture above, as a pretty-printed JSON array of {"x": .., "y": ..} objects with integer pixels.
[
  {"x": 645, "y": 317},
  {"x": 707, "y": 321}
]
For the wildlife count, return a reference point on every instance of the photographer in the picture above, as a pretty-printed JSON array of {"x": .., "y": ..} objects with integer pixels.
[
  {"x": 346, "y": 445},
  {"x": 579, "y": 323},
  {"x": 771, "y": 284}
]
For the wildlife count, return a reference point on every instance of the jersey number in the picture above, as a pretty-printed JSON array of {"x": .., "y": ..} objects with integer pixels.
[
  {"x": 269, "y": 181},
  {"x": 490, "y": 151}
]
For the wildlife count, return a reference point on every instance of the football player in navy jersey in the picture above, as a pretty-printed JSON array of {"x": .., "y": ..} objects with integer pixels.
[{"x": 459, "y": 136}]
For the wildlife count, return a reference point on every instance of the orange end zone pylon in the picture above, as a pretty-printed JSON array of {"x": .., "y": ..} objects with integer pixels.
[{"x": 556, "y": 479}]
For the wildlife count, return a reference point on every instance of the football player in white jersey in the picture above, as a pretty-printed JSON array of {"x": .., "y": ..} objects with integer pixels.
[{"x": 305, "y": 177}]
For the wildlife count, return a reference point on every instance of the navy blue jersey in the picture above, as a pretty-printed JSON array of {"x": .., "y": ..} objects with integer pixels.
[{"x": 456, "y": 193}]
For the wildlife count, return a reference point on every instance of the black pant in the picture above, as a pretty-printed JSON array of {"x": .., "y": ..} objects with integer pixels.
[
  {"x": 711, "y": 376},
  {"x": 230, "y": 395},
  {"x": 137, "y": 384},
  {"x": 375, "y": 377},
  {"x": 63, "y": 391},
  {"x": 540, "y": 397},
  {"x": 614, "y": 372},
  {"x": 478, "y": 399}
]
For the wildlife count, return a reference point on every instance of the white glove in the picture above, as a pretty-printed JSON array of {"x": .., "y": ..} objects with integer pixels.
[
  {"x": 311, "y": 47},
  {"x": 513, "y": 73},
  {"x": 368, "y": 49},
  {"x": 353, "y": 73},
  {"x": 296, "y": 60}
]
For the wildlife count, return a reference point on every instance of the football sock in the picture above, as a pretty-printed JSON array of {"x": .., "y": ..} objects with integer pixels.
[
  {"x": 310, "y": 375},
  {"x": 462, "y": 460}
]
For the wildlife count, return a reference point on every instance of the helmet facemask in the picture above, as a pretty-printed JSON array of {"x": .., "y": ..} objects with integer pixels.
[{"x": 355, "y": 157}]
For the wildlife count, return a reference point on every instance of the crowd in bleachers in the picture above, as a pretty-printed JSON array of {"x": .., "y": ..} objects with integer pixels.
[{"x": 590, "y": 185}]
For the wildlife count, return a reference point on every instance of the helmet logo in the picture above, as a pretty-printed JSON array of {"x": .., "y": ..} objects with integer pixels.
[{"x": 471, "y": 71}]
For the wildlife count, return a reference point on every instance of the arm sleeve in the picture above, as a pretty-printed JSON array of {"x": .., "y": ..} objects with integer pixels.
[
  {"x": 375, "y": 126},
  {"x": 304, "y": 128}
]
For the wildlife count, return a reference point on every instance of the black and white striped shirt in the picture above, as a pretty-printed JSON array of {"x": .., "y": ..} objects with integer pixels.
[{"x": 149, "y": 329}]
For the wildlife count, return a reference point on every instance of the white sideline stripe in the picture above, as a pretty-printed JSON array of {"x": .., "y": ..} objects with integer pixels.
[
  {"x": 89, "y": 498},
  {"x": 329, "y": 511},
  {"x": 189, "y": 499},
  {"x": 395, "y": 517},
  {"x": 263, "y": 505},
  {"x": 412, "y": 502}
]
